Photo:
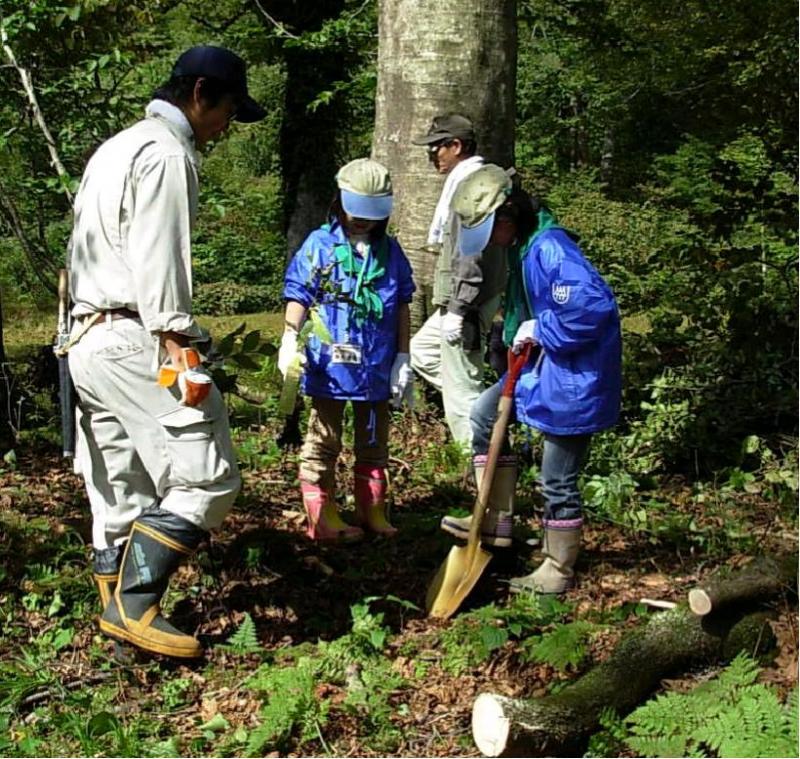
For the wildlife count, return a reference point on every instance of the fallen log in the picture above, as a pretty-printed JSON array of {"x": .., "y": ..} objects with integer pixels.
[
  {"x": 763, "y": 578},
  {"x": 560, "y": 724}
]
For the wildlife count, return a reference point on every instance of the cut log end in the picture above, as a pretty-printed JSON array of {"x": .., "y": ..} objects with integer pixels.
[
  {"x": 490, "y": 725},
  {"x": 699, "y": 602}
]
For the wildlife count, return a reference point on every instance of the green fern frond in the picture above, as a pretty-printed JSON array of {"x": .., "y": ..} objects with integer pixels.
[
  {"x": 658, "y": 746},
  {"x": 562, "y": 647},
  {"x": 245, "y": 639},
  {"x": 730, "y": 716},
  {"x": 291, "y": 701}
]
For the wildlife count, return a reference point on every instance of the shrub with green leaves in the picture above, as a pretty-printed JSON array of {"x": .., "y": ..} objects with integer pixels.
[
  {"x": 472, "y": 637},
  {"x": 226, "y": 298}
]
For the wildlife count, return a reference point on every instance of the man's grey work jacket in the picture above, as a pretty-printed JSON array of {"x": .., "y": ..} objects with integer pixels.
[{"x": 134, "y": 212}]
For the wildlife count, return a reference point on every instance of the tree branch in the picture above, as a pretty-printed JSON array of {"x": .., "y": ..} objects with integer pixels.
[
  {"x": 40, "y": 264},
  {"x": 27, "y": 84},
  {"x": 277, "y": 24}
]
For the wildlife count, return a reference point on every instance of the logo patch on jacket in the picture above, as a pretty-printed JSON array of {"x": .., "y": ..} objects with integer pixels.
[{"x": 560, "y": 293}]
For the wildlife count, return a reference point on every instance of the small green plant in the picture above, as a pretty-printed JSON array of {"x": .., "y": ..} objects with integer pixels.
[
  {"x": 443, "y": 463},
  {"x": 256, "y": 451},
  {"x": 729, "y": 716},
  {"x": 174, "y": 692},
  {"x": 369, "y": 633},
  {"x": 293, "y": 708},
  {"x": 563, "y": 647},
  {"x": 610, "y": 739},
  {"x": 370, "y": 691},
  {"x": 291, "y": 705},
  {"x": 610, "y": 496},
  {"x": 472, "y": 637},
  {"x": 245, "y": 639}
]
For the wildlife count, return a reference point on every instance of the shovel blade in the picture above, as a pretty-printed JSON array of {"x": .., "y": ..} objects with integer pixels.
[{"x": 455, "y": 579}]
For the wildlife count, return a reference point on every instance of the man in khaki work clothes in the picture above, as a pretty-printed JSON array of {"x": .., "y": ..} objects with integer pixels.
[
  {"x": 448, "y": 349},
  {"x": 153, "y": 439}
]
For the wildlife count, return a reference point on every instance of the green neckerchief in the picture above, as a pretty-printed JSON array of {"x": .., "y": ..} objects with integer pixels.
[
  {"x": 365, "y": 272},
  {"x": 516, "y": 309}
]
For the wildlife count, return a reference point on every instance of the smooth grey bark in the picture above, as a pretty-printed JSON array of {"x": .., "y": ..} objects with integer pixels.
[{"x": 435, "y": 57}]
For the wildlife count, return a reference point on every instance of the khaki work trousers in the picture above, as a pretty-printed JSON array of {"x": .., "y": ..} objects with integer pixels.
[
  {"x": 456, "y": 372},
  {"x": 323, "y": 441},
  {"x": 137, "y": 447}
]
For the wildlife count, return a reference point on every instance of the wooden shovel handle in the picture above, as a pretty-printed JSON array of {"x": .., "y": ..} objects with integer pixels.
[{"x": 515, "y": 364}]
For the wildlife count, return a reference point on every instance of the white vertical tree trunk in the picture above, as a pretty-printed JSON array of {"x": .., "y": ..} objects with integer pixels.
[{"x": 435, "y": 57}]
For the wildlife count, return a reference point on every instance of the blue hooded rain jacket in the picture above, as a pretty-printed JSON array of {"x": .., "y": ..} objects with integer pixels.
[
  {"x": 575, "y": 386},
  {"x": 307, "y": 281}
]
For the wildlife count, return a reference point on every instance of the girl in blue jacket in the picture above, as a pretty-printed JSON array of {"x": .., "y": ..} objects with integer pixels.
[
  {"x": 571, "y": 387},
  {"x": 359, "y": 280}
]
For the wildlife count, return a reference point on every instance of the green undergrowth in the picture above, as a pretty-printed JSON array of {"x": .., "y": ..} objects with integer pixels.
[{"x": 730, "y": 715}]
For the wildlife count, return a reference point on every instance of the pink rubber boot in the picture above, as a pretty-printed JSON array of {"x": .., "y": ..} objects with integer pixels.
[
  {"x": 370, "y": 496},
  {"x": 324, "y": 522}
]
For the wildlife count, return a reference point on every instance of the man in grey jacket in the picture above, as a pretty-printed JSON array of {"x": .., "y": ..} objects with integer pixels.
[
  {"x": 153, "y": 439},
  {"x": 448, "y": 349}
]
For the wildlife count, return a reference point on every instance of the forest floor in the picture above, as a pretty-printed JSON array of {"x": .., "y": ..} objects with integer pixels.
[
  {"x": 59, "y": 674},
  {"x": 327, "y": 651}
]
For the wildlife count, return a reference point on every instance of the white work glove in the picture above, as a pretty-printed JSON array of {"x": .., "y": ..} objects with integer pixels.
[
  {"x": 452, "y": 325},
  {"x": 401, "y": 381},
  {"x": 525, "y": 334},
  {"x": 288, "y": 350}
]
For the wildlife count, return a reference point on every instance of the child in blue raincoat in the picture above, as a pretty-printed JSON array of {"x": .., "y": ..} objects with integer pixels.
[
  {"x": 360, "y": 282},
  {"x": 569, "y": 390}
]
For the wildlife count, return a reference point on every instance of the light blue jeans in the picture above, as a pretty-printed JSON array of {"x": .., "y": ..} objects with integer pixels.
[{"x": 562, "y": 459}]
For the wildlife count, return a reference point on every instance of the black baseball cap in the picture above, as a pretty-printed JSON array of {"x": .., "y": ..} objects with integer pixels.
[
  {"x": 228, "y": 68},
  {"x": 450, "y": 126}
]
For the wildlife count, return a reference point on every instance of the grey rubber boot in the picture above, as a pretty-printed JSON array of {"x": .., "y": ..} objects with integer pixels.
[
  {"x": 556, "y": 573},
  {"x": 497, "y": 521}
]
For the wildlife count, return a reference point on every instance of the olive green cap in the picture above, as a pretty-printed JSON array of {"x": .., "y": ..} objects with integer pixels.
[
  {"x": 474, "y": 202},
  {"x": 366, "y": 189},
  {"x": 365, "y": 177},
  {"x": 480, "y": 194}
]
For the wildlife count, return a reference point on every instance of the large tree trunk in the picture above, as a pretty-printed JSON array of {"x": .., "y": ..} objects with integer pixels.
[
  {"x": 307, "y": 137},
  {"x": 435, "y": 57},
  {"x": 559, "y": 725}
]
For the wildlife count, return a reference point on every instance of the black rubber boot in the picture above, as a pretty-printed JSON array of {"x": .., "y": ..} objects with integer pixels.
[
  {"x": 158, "y": 542},
  {"x": 106, "y": 571}
]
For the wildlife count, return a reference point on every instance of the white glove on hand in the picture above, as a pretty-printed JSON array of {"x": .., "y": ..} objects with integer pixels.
[
  {"x": 288, "y": 350},
  {"x": 525, "y": 334},
  {"x": 452, "y": 325},
  {"x": 401, "y": 381}
]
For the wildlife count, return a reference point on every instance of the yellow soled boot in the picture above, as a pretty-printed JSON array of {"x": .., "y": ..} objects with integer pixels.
[
  {"x": 556, "y": 574},
  {"x": 106, "y": 572},
  {"x": 158, "y": 542},
  {"x": 370, "y": 496},
  {"x": 324, "y": 521},
  {"x": 497, "y": 521}
]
